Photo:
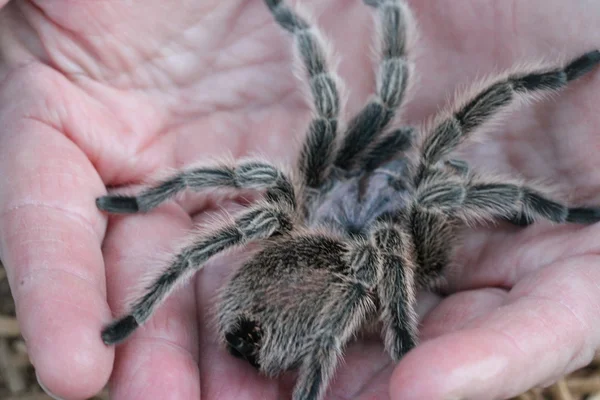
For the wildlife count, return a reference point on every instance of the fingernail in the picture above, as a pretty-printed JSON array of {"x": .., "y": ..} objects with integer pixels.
[{"x": 45, "y": 389}]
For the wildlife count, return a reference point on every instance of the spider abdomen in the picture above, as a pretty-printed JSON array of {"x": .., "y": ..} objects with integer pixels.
[{"x": 292, "y": 291}]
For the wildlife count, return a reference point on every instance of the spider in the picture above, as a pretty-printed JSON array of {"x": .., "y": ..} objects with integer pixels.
[{"x": 369, "y": 215}]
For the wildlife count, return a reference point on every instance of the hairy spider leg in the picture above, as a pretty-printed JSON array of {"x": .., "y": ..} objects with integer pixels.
[
  {"x": 396, "y": 287},
  {"x": 386, "y": 147},
  {"x": 394, "y": 27},
  {"x": 485, "y": 199},
  {"x": 317, "y": 153},
  {"x": 452, "y": 128},
  {"x": 260, "y": 222},
  {"x": 455, "y": 127},
  {"x": 319, "y": 365},
  {"x": 274, "y": 215},
  {"x": 476, "y": 110},
  {"x": 252, "y": 174}
]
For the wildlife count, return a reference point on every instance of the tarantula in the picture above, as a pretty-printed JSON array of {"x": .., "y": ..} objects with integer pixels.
[{"x": 369, "y": 217}]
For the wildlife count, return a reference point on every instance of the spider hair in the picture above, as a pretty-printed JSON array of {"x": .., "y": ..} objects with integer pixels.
[{"x": 370, "y": 217}]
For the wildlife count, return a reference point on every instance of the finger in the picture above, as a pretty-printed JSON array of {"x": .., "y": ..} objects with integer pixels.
[
  {"x": 458, "y": 310},
  {"x": 502, "y": 256},
  {"x": 547, "y": 329},
  {"x": 365, "y": 372},
  {"x": 160, "y": 359},
  {"x": 50, "y": 235}
]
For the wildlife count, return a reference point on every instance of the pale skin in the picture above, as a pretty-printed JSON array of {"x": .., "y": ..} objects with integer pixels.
[{"x": 105, "y": 93}]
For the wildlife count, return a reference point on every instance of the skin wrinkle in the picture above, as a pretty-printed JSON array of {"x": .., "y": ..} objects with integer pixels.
[
  {"x": 579, "y": 354},
  {"x": 36, "y": 275},
  {"x": 460, "y": 310},
  {"x": 156, "y": 138},
  {"x": 244, "y": 103},
  {"x": 15, "y": 71},
  {"x": 82, "y": 45},
  {"x": 60, "y": 128},
  {"x": 236, "y": 41},
  {"x": 519, "y": 266},
  {"x": 582, "y": 325},
  {"x": 75, "y": 216},
  {"x": 216, "y": 68},
  {"x": 365, "y": 387},
  {"x": 77, "y": 137},
  {"x": 156, "y": 342},
  {"x": 521, "y": 259},
  {"x": 30, "y": 6},
  {"x": 143, "y": 60},
  {"x": 211, "y": 66},
  {"x": 513, "y": 343},
  {"x": 477, "y": 324},
  {"x": 73, "y": 305},
  {"x": 150, "y": 60},
  {"x": 55, "y": 125},
  {"x": 133, "y": 373},
  {"x": 165, "y": 341},
  {"x": 17, "y": 45},
  {"x": 228, "y": 56}
]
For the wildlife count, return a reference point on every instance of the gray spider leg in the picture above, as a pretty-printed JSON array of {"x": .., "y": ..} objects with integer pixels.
[
  {"x": 576, "y": 215},
  {"x": 452, "y": 130},
  {"x": 388, "y": 146},
  {"x": 394, "y": 31},
  {"x": 434, "y": 235},
  {"x": 348, "y": 313},
  {"x": 318, "y": 367},
  {"x": 247, "y": 175},
  {"x": 317, "y": 153},
  {"x": 485, "y": 200},
  {"x": 583, "y": 215},
  {"x": 518, "y": 219},
  {"x": 396, "y": 289},
  {"x": 530, "y": 203},
  {"x": 260, "y": 222},
  {"x": 316, "y": 372}
]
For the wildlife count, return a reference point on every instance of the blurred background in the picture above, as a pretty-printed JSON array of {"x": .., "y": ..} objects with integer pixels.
[{"x": 18, "y": 382}]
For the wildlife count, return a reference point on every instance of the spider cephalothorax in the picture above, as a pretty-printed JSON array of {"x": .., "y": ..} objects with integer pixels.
[{"x": 370, "y": 219}]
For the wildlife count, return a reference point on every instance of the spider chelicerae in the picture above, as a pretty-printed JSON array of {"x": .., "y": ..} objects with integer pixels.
[{"x": 368, "y": 216}]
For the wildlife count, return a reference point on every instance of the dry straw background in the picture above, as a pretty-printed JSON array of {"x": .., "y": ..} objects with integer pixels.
[{"x": 17, "y": 378}]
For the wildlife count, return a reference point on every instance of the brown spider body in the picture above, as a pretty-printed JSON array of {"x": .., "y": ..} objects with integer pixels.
[
  {"x": 297, "y": 316},
  {"x": 372, "y": 218}
]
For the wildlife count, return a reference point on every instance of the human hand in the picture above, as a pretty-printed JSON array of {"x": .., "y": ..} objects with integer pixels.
[
  {"x": 521, "y": 304},
  {"x": 114, "y": 98}
]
